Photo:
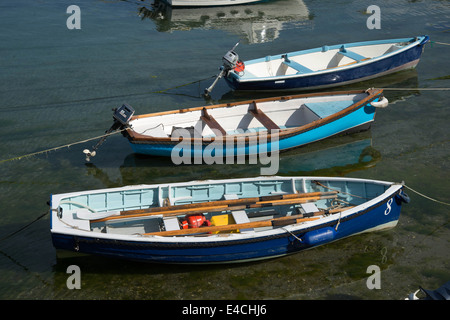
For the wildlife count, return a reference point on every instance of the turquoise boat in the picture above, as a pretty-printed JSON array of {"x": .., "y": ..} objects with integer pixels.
[{"x": 253, "y": 127}]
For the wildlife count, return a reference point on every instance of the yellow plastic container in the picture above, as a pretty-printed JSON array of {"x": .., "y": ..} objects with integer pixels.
[{"x": 223, "y": 220}]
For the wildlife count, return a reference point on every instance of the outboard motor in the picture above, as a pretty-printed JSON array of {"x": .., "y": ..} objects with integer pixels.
[
  {"x": 121, "y": 118},
  {"x": 123, "y": 114},
  {"x": 230, "y": 62},
  {"x": 230, "y": 59}
]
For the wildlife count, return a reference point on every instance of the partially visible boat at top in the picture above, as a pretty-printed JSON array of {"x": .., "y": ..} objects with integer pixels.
[
  {"x": 260, "y": 22},
  {"x": 324, "y": 67},
  {"x": 207, "y": 3}
]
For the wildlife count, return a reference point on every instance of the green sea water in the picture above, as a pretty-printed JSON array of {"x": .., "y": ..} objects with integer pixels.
[{"x": 58, "y": 86}]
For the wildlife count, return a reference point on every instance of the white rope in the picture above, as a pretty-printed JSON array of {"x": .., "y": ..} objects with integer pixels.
[
  {"x": 292, "y": 234},
  {"x": 118, "y": 131},
  {"x": 71, "y": 226},
  {"x": 60, "y": 147},
  {"x": 445, "y": 44},
  {"x": 421, "y": 194}
]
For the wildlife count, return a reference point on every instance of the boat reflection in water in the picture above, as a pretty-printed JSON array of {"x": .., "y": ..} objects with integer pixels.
[
  {"x": 336, "y": 156},
  {"x": 254, "y": 23}
]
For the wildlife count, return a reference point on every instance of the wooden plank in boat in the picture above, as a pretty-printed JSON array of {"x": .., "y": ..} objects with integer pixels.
[
  {"x": 263, "y": 118},
  {"x": 211, "y": 122}
]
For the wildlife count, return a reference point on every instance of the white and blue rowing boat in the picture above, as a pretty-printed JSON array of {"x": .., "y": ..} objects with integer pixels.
[
  {"x": 251, "y": 127},
  {"x": 222, "y": 221},
  {"x": 323, "y": 67}
]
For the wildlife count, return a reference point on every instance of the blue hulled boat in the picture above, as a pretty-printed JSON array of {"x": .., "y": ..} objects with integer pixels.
[
  {"x": 221, "y": 221},
  {"x": 323, "y": 67},
  {"x": 255, "y": 127}
]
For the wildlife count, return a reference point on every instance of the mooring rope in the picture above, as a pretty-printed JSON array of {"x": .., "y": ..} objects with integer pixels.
[
  {"x": 445, "y": 44},
  {"x": 182, "y": 85},
  {"x": 61, "y": 147},
  {"x": 162, "y": 91},
  {"x": 425, "y": 196},
  {"x": 24, "y": 227}
]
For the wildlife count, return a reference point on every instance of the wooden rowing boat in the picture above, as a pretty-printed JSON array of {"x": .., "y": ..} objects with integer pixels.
[
  {"x": 252, "y": 127},
  {"x": 220, "y": 221}
]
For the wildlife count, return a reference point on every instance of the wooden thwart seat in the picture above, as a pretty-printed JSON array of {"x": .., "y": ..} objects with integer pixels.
[
  {"x": 263, "y": 118},
  {"x": 211, "y": 122}
]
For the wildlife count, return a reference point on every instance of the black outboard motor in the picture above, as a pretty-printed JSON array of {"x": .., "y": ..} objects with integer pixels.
[
  {"x": 123, "y": 114},
  {"x": 121, "y": 118}
]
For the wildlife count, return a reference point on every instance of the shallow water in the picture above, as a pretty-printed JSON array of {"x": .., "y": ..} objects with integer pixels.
[{"x": 58, "y": 86}]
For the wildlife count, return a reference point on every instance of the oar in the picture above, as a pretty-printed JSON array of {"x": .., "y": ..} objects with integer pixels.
[
  {"x": 283, "y": 221},
  {"x": 243, "y": 201},
  {"x": 218, "y": 208},
  {"x": 229, "y": 227}
]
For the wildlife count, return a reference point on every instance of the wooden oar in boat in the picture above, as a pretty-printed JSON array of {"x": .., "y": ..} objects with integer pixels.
[
  {"x": 230, "y": 227},
  {"x": 283, "y": 221},
  {"x": 218, "y": 208},
  {"x": 243, "y": 201},
  {"x": 230, "y": 202}
]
